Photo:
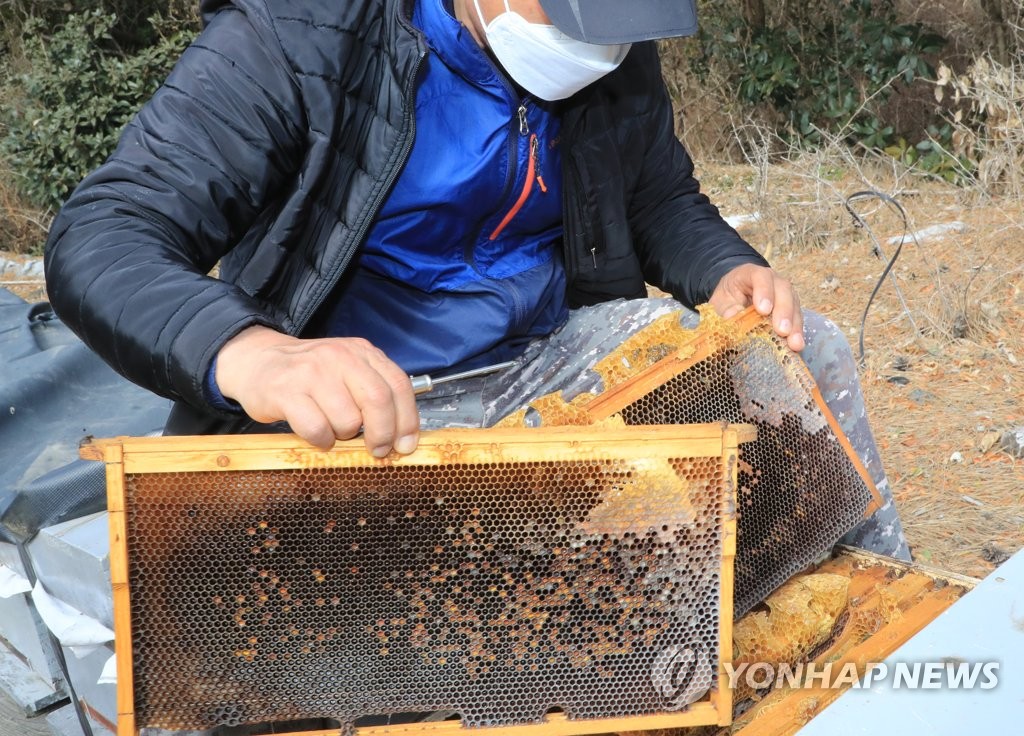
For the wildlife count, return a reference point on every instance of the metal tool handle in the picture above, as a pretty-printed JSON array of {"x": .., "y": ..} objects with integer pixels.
[
  {"x": 421, "y": 384},
  {"x": 424, "y": 384}
]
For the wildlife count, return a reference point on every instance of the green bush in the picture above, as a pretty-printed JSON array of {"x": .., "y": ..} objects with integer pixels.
[
  {"x": 80, "y": 88},
  {"x": 818, "y": 69},
  {"x": 132, "y": 29}
]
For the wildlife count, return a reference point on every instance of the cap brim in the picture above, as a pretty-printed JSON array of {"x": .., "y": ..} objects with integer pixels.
[{"x": 622, "y": 21}]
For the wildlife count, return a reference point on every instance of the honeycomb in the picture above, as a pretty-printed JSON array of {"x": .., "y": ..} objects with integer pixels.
[
  {"x": 797, "y": 618},
  {"x": 800, "y": 486},
  {"x": 467, "y": 579}
]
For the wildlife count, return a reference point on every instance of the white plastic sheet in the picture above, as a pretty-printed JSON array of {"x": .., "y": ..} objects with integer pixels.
[
  {"x": 12, "y": 583},
  {"x": 933, "y": 232},
  {"x": 109, "y": 674},
  {"x": 80, "y": 633}
]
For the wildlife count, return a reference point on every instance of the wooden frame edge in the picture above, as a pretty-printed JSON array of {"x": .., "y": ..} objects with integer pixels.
[
  {"x": 121, "y": 592},
  {"x": 701, "y": 713},
  {"x": 100, "y": 448},
  {"x": 721, "y": 440},
  {"x": 726, "y": 609},
  {"x": 697, "y": 349},
  {"x": 269, "y": 452},
  {"x": 874, "y": 558},
  {"x": 876, "y": 501}
]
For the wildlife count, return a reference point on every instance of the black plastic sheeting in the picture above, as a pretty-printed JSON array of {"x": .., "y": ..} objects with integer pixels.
[{"x": 55, "y": 392}]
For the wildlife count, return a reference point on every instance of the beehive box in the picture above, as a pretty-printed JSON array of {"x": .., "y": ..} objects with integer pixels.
[
  {"x": 882, "y": 603},
  {"x": 550, "y": 581}
]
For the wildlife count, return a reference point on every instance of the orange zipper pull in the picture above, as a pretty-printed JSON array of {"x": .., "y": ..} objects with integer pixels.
[
  {"x": 532, "y": 174},
  {"x": 535, "y": 152}
]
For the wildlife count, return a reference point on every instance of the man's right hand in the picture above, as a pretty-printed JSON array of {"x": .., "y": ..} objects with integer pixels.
[{"x": 325, "y": 389}]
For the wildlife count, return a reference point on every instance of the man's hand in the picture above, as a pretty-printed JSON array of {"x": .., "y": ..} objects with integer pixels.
[
  {"x": 769, "y": 293},
  {"x": 325, "y": 389}
]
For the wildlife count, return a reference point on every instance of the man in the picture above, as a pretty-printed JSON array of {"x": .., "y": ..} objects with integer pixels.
[{"x": 396, "y": 187}]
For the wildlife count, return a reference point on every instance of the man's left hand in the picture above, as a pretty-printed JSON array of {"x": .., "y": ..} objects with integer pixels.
[{"x": 769, "y": 293}]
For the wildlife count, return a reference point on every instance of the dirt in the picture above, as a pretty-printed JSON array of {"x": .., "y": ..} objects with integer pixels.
[{"x": 938, "y": 396}]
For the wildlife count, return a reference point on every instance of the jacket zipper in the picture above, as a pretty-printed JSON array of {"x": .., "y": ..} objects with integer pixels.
[
  {"x": 532, "y": 174},
  {"x": 524, "y": 128},
  {"x": 572, "y": 201},
  {"x": 513, "y": 148},
  {"x": 469, "y": 249},
  {"x": 409, "y": 119}
]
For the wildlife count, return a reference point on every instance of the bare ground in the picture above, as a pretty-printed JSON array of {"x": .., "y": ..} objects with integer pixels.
[{"x": 939, "y": 395}]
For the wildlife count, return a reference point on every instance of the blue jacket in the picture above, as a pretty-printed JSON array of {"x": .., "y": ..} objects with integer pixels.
[{"x": 470, "y": 233}]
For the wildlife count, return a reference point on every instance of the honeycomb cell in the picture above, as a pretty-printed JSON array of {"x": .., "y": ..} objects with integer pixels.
[{"x": 798, "y": 488}]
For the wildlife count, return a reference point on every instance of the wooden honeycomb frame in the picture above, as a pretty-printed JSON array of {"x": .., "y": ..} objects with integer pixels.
[{"x": 137, "y": 457}]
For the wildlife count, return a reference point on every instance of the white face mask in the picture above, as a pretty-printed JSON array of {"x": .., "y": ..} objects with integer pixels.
[{"x": 543, "y": 60}]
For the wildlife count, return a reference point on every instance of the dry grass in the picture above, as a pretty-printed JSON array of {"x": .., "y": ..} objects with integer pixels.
[
  {"x": 988, "y": 99},
  {"x": 962, "y": 369},
  {"x": 23, "y": 228},
  {"x": 22, "y": 233}
]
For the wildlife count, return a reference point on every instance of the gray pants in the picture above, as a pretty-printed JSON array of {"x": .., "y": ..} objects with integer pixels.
[{"x": 564, "y": 360}]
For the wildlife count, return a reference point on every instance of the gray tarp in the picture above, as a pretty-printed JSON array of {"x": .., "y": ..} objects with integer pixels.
[{"x": 54, "y": 392}]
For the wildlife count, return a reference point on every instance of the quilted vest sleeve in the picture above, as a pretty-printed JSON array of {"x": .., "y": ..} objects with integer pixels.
[
  {"x": 127, "y": 257},
  {"x": 684, "y": 244}
]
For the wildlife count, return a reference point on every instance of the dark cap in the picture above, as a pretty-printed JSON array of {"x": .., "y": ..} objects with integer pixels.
[{"x": 622, "y": 21}]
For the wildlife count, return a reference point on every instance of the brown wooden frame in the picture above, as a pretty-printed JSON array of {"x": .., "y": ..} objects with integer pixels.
[{"x": 126, "y": 456}]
